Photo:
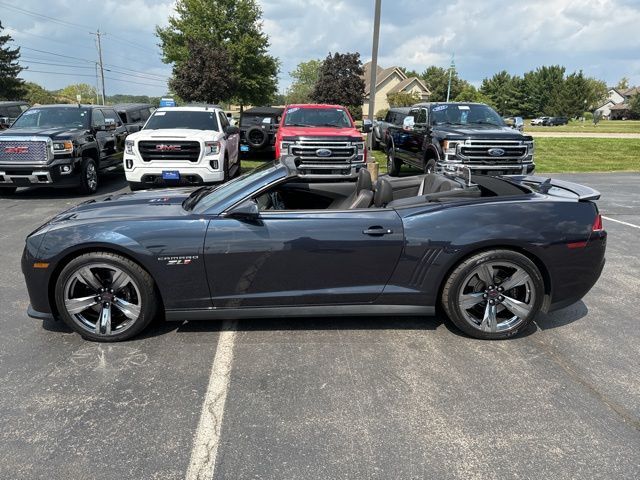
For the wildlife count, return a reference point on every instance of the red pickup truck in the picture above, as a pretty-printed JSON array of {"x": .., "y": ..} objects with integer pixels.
[{"x": 325, "y": 139}]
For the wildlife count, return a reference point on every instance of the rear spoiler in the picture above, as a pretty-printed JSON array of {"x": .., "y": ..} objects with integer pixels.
[{"x": 582, "y": 192}]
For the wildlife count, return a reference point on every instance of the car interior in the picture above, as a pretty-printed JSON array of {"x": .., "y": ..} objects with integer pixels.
[{"x": 398, "y": 192}]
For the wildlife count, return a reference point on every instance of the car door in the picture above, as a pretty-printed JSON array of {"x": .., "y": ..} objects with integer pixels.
[
  {"x": 116, "y": 148},
  {"x": 414, "y": 153},
  {"x": 232, "y": 140},
  {"x": 290, "y": 258},
  {"x": 403, "y": 136},
  {"x": 103, "y": 138}
]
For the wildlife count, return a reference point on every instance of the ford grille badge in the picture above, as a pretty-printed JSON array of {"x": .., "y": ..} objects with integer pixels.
[
  {"x": 323, "y": 152},
  {"x": 496, "y": 152}
]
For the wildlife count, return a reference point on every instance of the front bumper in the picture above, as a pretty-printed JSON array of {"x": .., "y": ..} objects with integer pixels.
[
  {"x": 330, "y": 171},
  {"x": 63, "y": 172},
  {"x": 191, "y": 174},
  {"x": 483, "y": 169}
]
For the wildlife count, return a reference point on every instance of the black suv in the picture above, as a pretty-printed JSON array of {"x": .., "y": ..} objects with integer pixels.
[
  {"x": 447, "y": 136},
  {"x": 61, "y": 146},
  {"x": 258, "y": 128},
  {"x": 134, "y": 115},
  {"x": 9, "y": 111}
]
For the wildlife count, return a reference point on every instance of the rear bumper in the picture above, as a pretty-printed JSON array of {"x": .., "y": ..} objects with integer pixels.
[{"x": 60, "y": 173}]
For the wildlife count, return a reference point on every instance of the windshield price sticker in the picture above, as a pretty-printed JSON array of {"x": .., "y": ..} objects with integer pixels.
[
  {"x": 463, "y": 107},
  {"x": 31, "y": 112},
  {"x": 440, "y": 108},
  {"x": 294, "y": 109},
  {"x": 160, "y": 114}
]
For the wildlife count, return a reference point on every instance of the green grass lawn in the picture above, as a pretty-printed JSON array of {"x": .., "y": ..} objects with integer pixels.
[
  {"x": 605, "y": 126},
  {"x": 557, "y": 155}
]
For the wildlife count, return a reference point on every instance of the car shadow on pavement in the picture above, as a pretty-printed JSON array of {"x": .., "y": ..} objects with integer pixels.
[
  {"x": 562, "y": 317},
  {"x": 109, "y": 183}
]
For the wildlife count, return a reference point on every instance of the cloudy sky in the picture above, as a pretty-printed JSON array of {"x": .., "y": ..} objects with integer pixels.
[{"x": 598, "y": 36}]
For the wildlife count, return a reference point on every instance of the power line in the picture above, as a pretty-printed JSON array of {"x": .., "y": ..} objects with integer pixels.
[
  {"x": 86, "y": 75},
  {"x": 15, "y": 32},
  {"x": 23, "y": 60}
]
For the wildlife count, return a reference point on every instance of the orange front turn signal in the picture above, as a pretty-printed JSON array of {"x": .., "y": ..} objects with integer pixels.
[{"x": 40, "y": 265}]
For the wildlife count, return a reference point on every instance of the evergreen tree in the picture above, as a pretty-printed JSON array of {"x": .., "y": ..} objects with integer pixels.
[{"x": 11, "y": 87}]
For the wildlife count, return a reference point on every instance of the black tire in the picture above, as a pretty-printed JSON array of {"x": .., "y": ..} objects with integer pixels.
[
  {"x": 148, "y": 299},
  {"x": 88, "y": 176},
  {"x": 7, "y": 191},
  {"x": 135, "y": 186},
  {"x": 225, "y": 169},
  {"x": 430, "y": 166},
  {"x": 393, "y": 164},
  {"x": 375, "y": 143},
  {"x": 238, "y": 167},
  {"x": 457, "y": 284},
  {"x": 256, "y": 137}
]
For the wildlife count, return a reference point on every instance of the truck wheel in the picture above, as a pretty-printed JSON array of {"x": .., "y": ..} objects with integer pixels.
[
  {"x": 88, "y": 176},
  {"x": 393, "y": 164},
  {"x": 238, "y": 168},
  {"x": 430, "y": 166},
  {"x": 256, "y": 137},
  {"x": 6, "y": 191},
  {"x": 225, "y": 169},
  {"x": 134, "y": 186},
  {"x": 493, "y": 294}
]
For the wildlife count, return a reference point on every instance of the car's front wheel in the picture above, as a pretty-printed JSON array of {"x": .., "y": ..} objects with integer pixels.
[
  {"x": 88, "y": 176},
  {"x": 105, "y": 297},
  {"x": 6, "y": 191},
  {"x": 493, "y": 294}
]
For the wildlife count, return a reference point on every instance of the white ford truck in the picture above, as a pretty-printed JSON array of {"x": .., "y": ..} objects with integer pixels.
[{"x": 189, "y": 145}]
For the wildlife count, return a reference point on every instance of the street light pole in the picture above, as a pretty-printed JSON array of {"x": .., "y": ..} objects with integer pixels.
[
  {"x": 453, "y": 65},
  {"x": 374, "y": 68}
]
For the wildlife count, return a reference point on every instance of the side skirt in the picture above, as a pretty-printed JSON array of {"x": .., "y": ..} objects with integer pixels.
[{"x": 299, "y": 311}]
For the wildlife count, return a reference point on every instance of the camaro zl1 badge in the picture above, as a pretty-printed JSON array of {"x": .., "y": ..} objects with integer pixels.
[{"x": 178, "y": 260}]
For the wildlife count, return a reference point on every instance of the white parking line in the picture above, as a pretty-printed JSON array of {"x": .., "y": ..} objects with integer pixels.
[
  {"x": 620, "y": 221},
  {"x": 205, "y": 442}
]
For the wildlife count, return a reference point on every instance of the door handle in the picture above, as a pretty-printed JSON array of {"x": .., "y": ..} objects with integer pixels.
[{"x": 377, "y": 231}]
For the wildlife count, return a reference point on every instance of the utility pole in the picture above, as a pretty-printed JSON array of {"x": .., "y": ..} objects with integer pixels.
[
  {"x": 374, "y": 67},
  {"x": 97, "y": 85},
  {"x": 453, "y": 65},
  {"x": 98, "y": 34}
]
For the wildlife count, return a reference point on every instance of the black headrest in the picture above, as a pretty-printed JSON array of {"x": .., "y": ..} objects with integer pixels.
[
  {"x": 364, "y": 180},
  {"x": 383, "y": 194}
]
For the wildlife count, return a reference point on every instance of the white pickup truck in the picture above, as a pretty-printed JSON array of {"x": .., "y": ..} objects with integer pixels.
[{"x": 189, "y": 145}]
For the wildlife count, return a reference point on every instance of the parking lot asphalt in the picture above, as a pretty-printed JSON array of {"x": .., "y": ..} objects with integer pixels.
[{"x": 327, "y": 398}]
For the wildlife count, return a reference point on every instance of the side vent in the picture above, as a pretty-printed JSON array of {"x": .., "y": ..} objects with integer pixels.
[{"x": 422, "y": 268}]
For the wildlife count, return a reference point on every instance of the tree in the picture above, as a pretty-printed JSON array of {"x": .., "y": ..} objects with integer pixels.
[
  {"x": 597, "y": 93},
  {"x": 469, "y": 93},
  {"x": 35, "y": 94},
  {"x": 634, "y": 106},
  {"x": 503, "y": 92},
  {"x": 403, "y": 99},
  {"x": 11, "y": 87},
  {"x": 234, "y": 25},
  {"x": 305, "y": 77},
  {"x": 206, "y": 76},
  {"x": 437, "y": 79},
  {"x": 87, "y": 93},
  {"x": 539, "y": 87},
  {"x": 622, "y": 84},
  {"x": 340, "y": 82}
]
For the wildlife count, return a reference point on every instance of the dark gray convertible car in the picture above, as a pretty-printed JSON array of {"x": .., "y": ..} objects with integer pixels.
[{"x": 491, "y": 252}]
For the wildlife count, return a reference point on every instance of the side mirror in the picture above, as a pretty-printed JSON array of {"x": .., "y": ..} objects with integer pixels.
[
  {"x": 133, "y": 128},
  {"x": 367, "y": 126},
  {"x": 231, "y": 130},
  {"x": 408, "y": 123},
  {"x": 248, "y": 209},
  {"x": 4, "y": 121}
]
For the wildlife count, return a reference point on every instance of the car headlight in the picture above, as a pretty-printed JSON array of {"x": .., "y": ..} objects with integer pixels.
[
  {"x": 530, "y": 147},
  {"x": 63, "y": 147},
  {"x": 449, "y": 147},
  {"x": 211, "y": 148},
  {"x": 360, "y": 151},
  {"x": 284, "y": 147},
  {"x": 128, "y": 146}
]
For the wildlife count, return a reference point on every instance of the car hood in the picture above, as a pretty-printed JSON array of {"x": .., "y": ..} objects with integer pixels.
[
  {"x": 484, "y": 131},
  {"x": 318, "y": 132},
  {"x": 52, "y": 132},
  {"x": 146, "y": 204},
  {"x": 175, "y": 134}
]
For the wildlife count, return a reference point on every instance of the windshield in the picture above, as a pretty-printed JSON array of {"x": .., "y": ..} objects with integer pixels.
[
  {"x": 68, "y": 117},
  {"x": 461, "y": 114},
  {"x": 227, "y": 190},
  {"x": 192, "y": 120},
  {"x": 317, "y": 117},
  {"x": 251, "y": 120}
]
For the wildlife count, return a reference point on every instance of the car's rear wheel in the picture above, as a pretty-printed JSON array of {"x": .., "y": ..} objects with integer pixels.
[
  {"x": 105, "y": 297},
  {"x": 88, "y": 176},
  {"x": 134, "y": 186},
  {"x": 393, "y": 164},
  {"x": 430, "y": 166},
  {"x": 493, "y": 294}
]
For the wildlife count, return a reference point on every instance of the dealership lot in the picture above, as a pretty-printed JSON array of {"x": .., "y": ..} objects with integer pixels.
[{"x": 328, "y": 398}]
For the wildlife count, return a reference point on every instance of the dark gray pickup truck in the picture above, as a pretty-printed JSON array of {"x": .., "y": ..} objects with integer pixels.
[{"x": 447, "y": 136}]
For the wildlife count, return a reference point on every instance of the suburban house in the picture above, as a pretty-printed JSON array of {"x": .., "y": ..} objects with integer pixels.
[
  {"x": 390, "y": 80},
  {"x": 616, "y": 106}
]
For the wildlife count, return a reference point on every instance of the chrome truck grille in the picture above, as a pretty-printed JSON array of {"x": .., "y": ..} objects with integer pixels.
[
  {"x": 488, "y": 152},
  {"x": 25, "y": 150},
  {"x": 323, "y": 152}
]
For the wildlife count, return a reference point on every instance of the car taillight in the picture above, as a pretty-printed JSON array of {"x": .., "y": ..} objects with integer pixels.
[{"x": 597, "y": 224}]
